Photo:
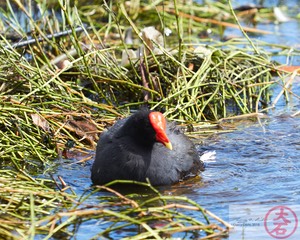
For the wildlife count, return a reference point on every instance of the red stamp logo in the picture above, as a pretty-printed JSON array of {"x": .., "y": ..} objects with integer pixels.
[{"x": 281, "y": 222}]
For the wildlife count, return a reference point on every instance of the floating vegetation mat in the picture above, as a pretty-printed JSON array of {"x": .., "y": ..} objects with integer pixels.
[
  {"x": 68, "y": 71},
  {"x": 30, "y": 207}
]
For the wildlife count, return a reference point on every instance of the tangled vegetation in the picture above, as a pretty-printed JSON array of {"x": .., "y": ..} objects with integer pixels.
[{"x": 69, "y": 70}]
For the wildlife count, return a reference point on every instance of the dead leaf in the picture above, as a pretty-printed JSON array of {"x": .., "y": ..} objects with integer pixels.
[
  {"x": 289, "y": 68},
  {"x": 85, "y": 129},
  {"x": 40, "y": 121}
]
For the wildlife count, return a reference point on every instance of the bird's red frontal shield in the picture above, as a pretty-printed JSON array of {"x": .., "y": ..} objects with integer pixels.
[{"x": 159, "y": 124}]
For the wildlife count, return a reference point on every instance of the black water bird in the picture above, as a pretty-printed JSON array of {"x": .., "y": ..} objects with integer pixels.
[{"x": 143, "y": 146}]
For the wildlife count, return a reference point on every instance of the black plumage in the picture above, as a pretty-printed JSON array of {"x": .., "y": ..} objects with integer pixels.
[{"x": 129, "y": 151}]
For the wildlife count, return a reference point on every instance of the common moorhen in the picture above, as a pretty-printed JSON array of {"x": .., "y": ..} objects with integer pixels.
[{"x": 145, "y": 146}]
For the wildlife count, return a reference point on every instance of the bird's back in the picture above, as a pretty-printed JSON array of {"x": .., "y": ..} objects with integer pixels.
[{"x": 117, "y": 157}]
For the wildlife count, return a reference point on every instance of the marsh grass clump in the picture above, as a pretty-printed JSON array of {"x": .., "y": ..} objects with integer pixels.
[
  {"x": 24, "y": 200},
  {"x": 68, "y": 70},
  {"x": 30, "y": 207},
  {"x": 218, "y": 85},
  {"x": 68, "y": 86}
]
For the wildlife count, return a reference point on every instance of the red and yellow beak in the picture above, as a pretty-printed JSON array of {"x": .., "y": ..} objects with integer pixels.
[
  {"x": 168, "y": 145},
  {"x": 159, "y": 124}
]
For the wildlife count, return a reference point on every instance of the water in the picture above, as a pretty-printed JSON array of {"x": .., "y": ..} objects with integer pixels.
[{"x": 256, "y": 165}]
